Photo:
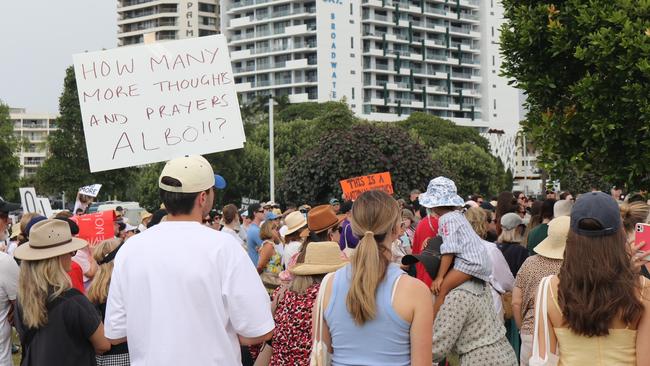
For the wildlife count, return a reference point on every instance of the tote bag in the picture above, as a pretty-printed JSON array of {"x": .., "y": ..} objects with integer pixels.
[
  {"x": 541, "y": 312},
  {"x": 320, "y": 355}
]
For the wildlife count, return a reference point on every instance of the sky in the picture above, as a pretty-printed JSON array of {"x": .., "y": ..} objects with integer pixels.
[{"x": 37, "y": 41}]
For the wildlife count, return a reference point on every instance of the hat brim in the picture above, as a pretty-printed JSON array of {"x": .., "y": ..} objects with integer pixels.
[
  {"x": 27, "y": 253},
  {"x": 219, "y": 182},
  {"x": 550, "y": 248},
  {"x": 339, "y": 220},
  {"x": 9, "y": 206},
  {"x": 431, "y": 263},
  {"x": 306, "y": 269},
  {"x": 296, "y": 228},
  {"x": 429, "y": 201}
]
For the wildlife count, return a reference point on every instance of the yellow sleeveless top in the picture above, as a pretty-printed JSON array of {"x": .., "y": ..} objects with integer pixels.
[{"x": 617, "y": 348}]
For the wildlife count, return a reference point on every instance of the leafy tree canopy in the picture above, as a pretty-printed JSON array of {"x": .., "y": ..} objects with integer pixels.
[
  {"x": 362, "y": 149},
  {"x": 9, "y": 162},
  {"x": 434, "y": 131},
  {"x": 585, "y": 67}
]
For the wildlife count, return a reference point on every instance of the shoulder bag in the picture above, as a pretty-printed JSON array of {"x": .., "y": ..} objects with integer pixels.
[
  {"x": 541, "y": 313},
  {"x": 264, "y": 358},
  {"x": 320, "y": 355}
]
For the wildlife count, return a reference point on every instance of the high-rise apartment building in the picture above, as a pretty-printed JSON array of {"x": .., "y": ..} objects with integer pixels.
[
  {"x": 387, "y": 58},
  {"x": 33, "y": 128},
  {"x": 168, "y": 19}
]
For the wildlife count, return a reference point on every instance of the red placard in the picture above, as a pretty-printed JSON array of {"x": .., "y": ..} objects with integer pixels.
[
  {"x": 354, "y": 187},
  {"x": 95, "y": 227}
]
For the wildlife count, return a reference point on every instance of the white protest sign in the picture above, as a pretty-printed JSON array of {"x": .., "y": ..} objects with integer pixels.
[
  {"x": 149, "y": 103},
  {"x": 32, "y": 203},
  {"x": 91, "y": 190}
]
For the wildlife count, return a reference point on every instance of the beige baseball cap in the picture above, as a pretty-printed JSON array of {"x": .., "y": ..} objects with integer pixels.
[{"x": 194, "y": 173}]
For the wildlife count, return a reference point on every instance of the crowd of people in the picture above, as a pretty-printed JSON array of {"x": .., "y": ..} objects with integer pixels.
[{"x": 429, "y": 279}]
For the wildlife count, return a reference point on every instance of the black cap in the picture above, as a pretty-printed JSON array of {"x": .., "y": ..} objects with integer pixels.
[
  {"x": 487, "y": 206},
  {"x": 252, "y": 209},
  {"x": 599, "y": 207},
  {"x": 8, "y": 206},
  {"x": 430, "y": 257}
]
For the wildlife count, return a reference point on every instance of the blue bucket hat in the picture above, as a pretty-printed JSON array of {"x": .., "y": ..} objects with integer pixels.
[{"x": 441, "y": 192}]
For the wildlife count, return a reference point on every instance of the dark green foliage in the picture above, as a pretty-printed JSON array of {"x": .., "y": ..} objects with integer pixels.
[
  {"x": 585, "y": 67},
  {"x": 434, "y": 132},
  {"x": 363, "y": 149},
  {"x": 9, "y": 162},
  {"x": 472, "y": 169}
]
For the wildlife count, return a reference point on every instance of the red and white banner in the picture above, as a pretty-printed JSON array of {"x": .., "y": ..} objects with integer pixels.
[{"x": 95, "y": 227}]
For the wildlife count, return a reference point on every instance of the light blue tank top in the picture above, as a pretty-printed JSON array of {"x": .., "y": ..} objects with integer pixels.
[{"x": 384, "y": 340}]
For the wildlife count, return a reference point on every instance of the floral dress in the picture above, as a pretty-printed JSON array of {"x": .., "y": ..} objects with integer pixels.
[{"x": 292, "y": 335}]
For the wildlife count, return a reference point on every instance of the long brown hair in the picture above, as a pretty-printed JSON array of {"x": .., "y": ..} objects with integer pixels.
[
  {"x": 598, "y": 283},
  {"x": 374, "y": 216}
]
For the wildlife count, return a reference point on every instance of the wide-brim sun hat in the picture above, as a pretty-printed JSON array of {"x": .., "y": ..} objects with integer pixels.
[
  {"x": 49, "y": 239},
  {"x": 320, "y": 258},
  {"x": 430, "y": 257},
  {"x": 294, "y": 222},
  {"x": 441, "y": 191},
  {"x": 554, "y": 244}
]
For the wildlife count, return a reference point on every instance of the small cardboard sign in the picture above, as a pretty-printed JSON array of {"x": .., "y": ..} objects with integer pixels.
[
  {"x": 33, "y": 203},
  {"x": 91, "y": 190},
  {"x": 354, "y": 187},
  {"x": 155, "y": 102},
  {"x": 246, "y": 202},
  {"x": 95, "y": 227}
]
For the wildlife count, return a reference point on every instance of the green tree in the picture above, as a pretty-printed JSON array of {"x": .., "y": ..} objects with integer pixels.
[
  {"x": 362, "y": 149},
  {"x": 9, "y": 162},
  {"x": 67, "y": 169},
  {"x": 585, "y": 68},
  {"x": 434, "y": 131},
  {"x": 471, "y": 168}
]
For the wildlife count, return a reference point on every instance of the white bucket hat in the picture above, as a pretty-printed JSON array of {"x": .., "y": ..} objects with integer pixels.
[{"x": 441, "y": 192}]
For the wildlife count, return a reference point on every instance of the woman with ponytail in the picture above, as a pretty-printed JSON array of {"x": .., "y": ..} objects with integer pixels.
[{"x": 375, "y": 314}]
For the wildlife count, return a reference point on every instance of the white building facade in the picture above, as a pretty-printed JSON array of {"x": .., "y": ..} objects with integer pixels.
[
  {"x": 33, "y": 128},
  {"x": 387, "y": 58},
  {"x": 167, "y": 19}
]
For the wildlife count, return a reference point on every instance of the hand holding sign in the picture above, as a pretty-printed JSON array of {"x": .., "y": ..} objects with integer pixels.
[{"x": 91, "y": 190}]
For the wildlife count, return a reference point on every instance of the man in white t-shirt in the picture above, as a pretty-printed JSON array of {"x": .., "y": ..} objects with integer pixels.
[{"x": 182, "y": 293}]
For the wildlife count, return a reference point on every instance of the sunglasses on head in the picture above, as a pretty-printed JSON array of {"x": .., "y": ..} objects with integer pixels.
[{"x": 260, "y": 211}]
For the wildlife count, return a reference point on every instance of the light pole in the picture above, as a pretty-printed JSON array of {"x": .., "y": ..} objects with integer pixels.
[{"x": 271, "y": 152}]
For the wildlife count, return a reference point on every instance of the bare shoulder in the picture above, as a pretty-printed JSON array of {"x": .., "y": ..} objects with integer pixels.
[{"x": 413, "y": 286}]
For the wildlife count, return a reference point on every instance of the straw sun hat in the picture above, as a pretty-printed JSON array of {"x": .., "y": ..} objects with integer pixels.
[
  {"x": 554, "y": 244},
  {"x": 49, "y": 239},
  {"x": 320, "y": 258}
]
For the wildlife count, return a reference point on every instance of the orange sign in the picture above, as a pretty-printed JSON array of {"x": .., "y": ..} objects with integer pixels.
[{"x": 354, "y": 187}]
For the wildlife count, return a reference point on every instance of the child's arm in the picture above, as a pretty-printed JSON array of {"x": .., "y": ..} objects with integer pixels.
[
  {"x": 445, "y": 262},
  {"x": 452, "y": 280}
]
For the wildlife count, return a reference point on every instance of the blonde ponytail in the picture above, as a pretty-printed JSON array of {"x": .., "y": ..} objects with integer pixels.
[{"x": 374, "y": 215}]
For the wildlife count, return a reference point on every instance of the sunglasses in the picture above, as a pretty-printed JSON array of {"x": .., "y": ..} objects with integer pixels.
[{"x": 260, "y": 211}]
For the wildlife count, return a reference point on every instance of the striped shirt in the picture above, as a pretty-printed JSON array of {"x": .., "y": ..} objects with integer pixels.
[{"x": 459, "y": 239}]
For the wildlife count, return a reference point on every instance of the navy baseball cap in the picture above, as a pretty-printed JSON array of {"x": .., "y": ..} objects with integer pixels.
[{"x": 599, "y": 207}]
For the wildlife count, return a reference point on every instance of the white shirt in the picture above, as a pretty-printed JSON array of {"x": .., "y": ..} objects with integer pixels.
[
  {"x": 238, "y": 239},
  {"x": 290, "y": 250},
  {"x": 181, "y": 293},
  {"x": 8, "y": 290},
  {"x": 501, "y": 279}
]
